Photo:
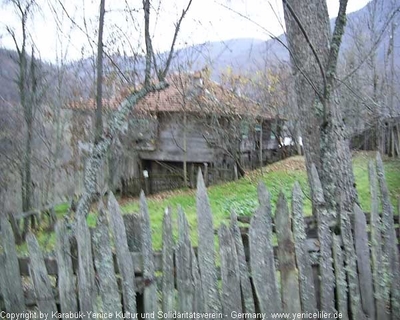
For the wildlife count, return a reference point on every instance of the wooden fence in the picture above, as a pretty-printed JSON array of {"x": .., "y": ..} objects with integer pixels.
[{"x": 95, "y": 271}]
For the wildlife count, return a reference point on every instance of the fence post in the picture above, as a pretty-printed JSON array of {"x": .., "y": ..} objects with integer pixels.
[
  {"x": 168, "y": 291},
  {"x": 230, "y": 276},
  {"x": 286, "y": 256},
  {"x": 363, "y": 262},
  {"x": 38, "y": 273},
  {"x": 390, "y": 250},
  {"x": 351, "y": 263},
  {"x": 262, "y": 261},
  {"x": 379, "y": 269},
  {"x": 206, "y": 174},
  {"x": 108, "y": 287},
  {"x": 340, "y": 275},
  {"x": 124, "y": 258},
  {"x": 325, "y": 238},
  {"x": 150, "y": 288},
  {"x": 86, "y": 278},
  {"x": 248, "y": 301},
  {"x": 11, "y": 285},
  {"x": 307, "y": 290},
  {"x": 66, "y": 284},
  {"x": 133, "y": 232},
  {"x": 188, "y": 282},
  {"x": 206, "y": 254}
]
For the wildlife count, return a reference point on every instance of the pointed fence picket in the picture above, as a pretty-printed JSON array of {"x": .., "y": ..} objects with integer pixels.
[{"x": 113, "y": 268}]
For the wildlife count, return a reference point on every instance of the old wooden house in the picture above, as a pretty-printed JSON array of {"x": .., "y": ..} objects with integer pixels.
[
  {"x": 194, "y": 123},
  {"x": 197, "y": 123}
]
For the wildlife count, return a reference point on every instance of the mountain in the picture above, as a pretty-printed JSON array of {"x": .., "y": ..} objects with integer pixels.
[
  {"x": 240, "y": 55},
  {"x": 244, "y": 55}
]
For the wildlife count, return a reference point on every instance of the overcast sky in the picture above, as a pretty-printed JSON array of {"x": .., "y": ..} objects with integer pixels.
[{"x": 208, "y": 20}]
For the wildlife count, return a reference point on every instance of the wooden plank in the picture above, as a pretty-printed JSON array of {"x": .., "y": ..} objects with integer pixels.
[
  {"x": 262, "y": 262},
  {"x": 307, "y": 290},
  {"x": 286, "y": 257},
  {"x": 206, "y": 253},
  {"x": 2, "y": 272},
  {"x": 351, "y": 266},
  {"x": 41, "y": 281},
  {"x": 86, "y": 277},
  {"x": 327, "y": 277},
  {"x": 11, "y": 288},
  {"x": 340, "y": 278},
  {"x": 133, "y": 232},
  {"x": 168, "y": 281},
  {"x": 198, "y": 302},
  {"x": 66, "y": 283},
  {"x": 363, "y": 262},
  {"x": 183, "y": 258},
  {"x": 389, "y": 238},
  {"x": 150, "y": 290},
  {"x": 230, "y": 275},
  {"x": 382, "y": 288},
  {"x": 103, "y": 259},
  {"x": 124, "y": 259},
  {"x": 245, "y": 284}
]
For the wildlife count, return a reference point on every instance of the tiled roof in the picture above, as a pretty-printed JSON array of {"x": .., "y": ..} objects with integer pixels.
[{"x": 190, "y": 93}]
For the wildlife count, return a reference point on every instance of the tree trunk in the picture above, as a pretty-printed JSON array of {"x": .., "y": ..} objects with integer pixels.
[
  {"x": 323, "y": 129},
  {"x": 99, "y": 84}
]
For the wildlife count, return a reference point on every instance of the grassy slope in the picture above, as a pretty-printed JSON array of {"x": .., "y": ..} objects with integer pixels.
[{"x": 242, "y": 195}]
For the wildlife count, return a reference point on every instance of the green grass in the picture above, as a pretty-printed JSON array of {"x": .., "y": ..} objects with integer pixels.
[{"x": 242, "y": 195}]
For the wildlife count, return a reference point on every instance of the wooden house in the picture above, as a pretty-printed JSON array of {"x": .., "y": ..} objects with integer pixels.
[
  {"x": 197, "y": 123},
  {"x": 194, "y": 123}
]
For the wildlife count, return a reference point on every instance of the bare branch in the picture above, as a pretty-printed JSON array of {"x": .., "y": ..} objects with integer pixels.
[
  {"x": 147, "y": 37},
  {"x": 171, "y": 51},
  {"x": 375, "y": 45},
  {"x": 338, "y": 32}
]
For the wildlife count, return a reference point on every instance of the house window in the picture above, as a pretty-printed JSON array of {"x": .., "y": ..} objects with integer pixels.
[
  {"x": 274, "y": 130},
  {"x": 244, "y": 129}
]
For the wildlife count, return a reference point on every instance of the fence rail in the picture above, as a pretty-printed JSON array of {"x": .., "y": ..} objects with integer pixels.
[{"x": 334, "y": 272}]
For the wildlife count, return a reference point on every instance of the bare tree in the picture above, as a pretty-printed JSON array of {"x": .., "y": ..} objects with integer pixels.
[
  {"x": 117, "y": 122},
  {"x": 27, "y": 81}
]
